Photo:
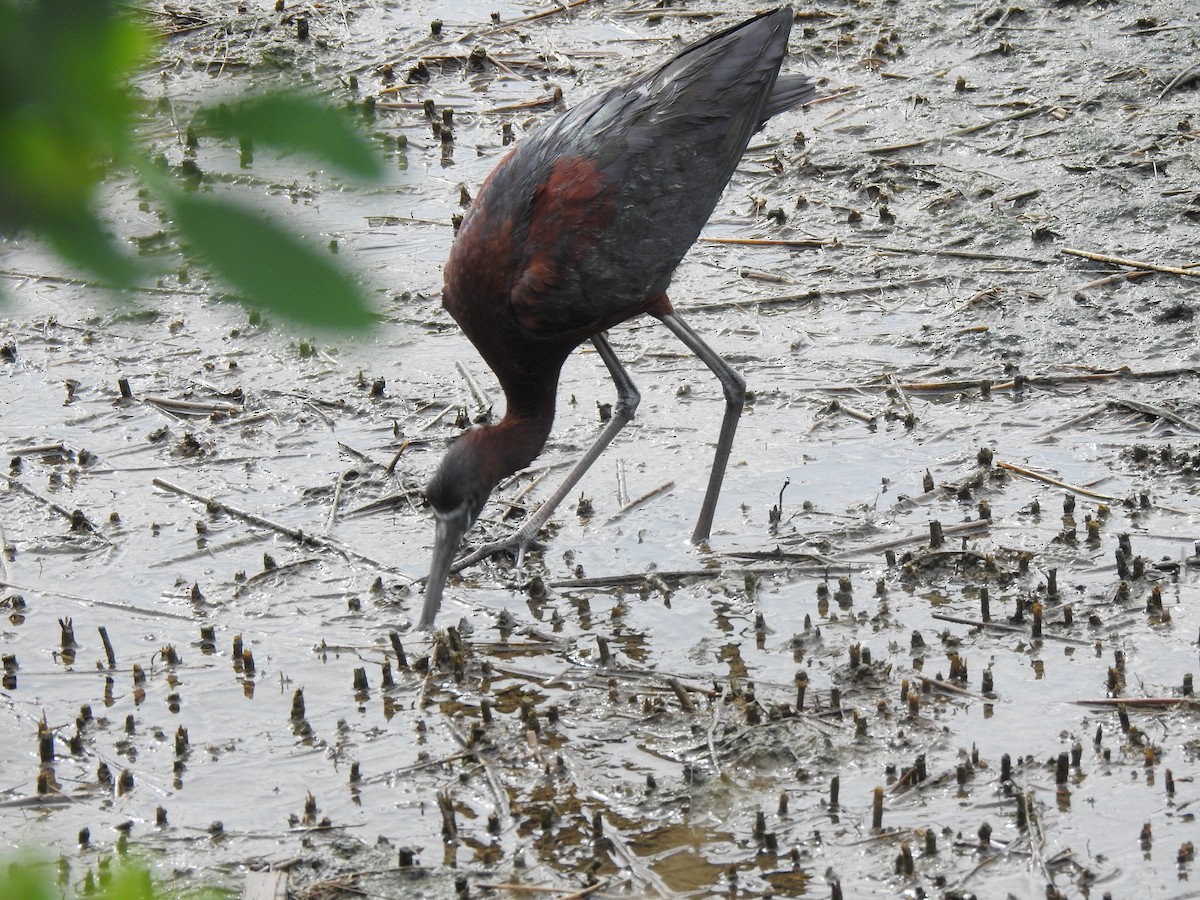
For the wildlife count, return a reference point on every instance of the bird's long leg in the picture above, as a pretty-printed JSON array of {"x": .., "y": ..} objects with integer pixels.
[
  {"x": 627, "y": 404},
  {"x": 734, "y": 387}
]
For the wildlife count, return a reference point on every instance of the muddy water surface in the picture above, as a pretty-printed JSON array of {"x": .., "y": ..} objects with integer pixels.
[{"x": 624, "y": 709}]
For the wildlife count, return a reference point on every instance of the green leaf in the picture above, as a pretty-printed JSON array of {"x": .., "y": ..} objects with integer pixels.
[
  {"x": 66, "y": 121},
  {"x": 25, "y": 880},
  {"x": 83, "y": 241},
  {"x": 293, "y": 123},
  {"x": 132, "y": 882},
  {"x": 65, "y": 105},
  {"x": 268, "y": 264}
]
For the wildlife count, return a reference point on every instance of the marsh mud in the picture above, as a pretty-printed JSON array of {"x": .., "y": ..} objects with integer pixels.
[{"x": 942, "y": 641}]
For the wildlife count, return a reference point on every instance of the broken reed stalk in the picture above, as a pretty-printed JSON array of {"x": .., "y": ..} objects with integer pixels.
[
  {"x": 109, "y": 653},
  {"x": 645, "y": 498},
  {"x": 790, "y": 244},
  {"x": 1071, "y": 422},
  {"x": 559, "y": 8},
  {"x": 284, "y": 569},
  {"x": 1192, "y": 272},
  {"x": 78, "y": 521},
  {"x": 1036, "y": 476},
  {"x": 1157, "y": 412},
  {"x": 962, "y": 529},
  {"x": 515, "y": 888},
  {"x": 637, "y": 579},
  {"x": 449, "y": 824},
  {"x": 1000, "y": 626},
  {"x": 1122, "y": 373},
  {"x": 545, "y": 102},
  {"x": 1135, "y": 702},
  {"x": 481, "y": 399},
  {"x": 959, "y": 132},
  {"x": 192, "y": 407},
  {"x": 681, "y": 693},
  {"x": 301, "y": 537}
]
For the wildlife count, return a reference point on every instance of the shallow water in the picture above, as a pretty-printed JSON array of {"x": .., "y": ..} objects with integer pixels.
[{"x": 1106, "y": 167}]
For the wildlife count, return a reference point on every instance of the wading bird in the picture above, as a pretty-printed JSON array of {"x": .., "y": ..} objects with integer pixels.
[{"x": 580, "y": 228}]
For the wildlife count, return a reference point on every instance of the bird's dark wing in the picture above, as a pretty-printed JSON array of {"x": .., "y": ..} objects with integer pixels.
[
  {"x": 583, "y": 225},
  {"x": 655, "y": 156},
  {"x": 568, "y": 212}
]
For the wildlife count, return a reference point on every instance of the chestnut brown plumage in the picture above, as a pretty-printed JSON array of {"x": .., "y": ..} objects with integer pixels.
[{"x": 580, "y": 228}]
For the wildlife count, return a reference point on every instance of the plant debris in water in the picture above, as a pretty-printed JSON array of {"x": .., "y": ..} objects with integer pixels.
[{"x": 955, "y": 658}]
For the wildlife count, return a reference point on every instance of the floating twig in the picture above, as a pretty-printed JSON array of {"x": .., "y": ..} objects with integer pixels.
[
  {"x": 681, "y": 693},
  {"x": 150, "y": 612},
  {"x": 1182, "y": 78},
  {"x": 257, "y": 577},
  {"x": 1192, "y": 272},
  {"x": 476, "y": 391},
  {"x": 4, "y": 552},
  {"x": 561, "y": 8},
  {"x": 1074, "y": 420},
  {"x": 963, "y": 528},
  {"x": 628, "y": 579},
  {"x": 854, "y": 412},
  {"x": 1037, "y": 476},
  {"x": 645, "y": 498},
  {"x": 79, "y": 522},
  {"x": 209, "y": 551},
  {"x": 515, "y": 505},
  {"x": 760, "y": 275},
  {"x": 1107, "y": 280},
  {"x": 760, "y": 302},
  {"x": 388, "y": 502},
  {"x": 498, "y": 791},
  {"x": 910, "y": 417},
  {"x": 542, "y": 889},
  {"x": 50, "y": 278},
  {"x": 1157, "y": 412},
  {"x": 960, "y": 132},
  {"x": 780, "y": 555},
  {"x": 547, "y": 102},
  {"x": 790, "y": 244},
  {"x": 1014, "y": 629},
  {"x": 335, "y": 505},
  {"x": 1136, "y": 702},
  {"x": 58, "y": 449},
  {"x": 301, "y": 537},
  {"x": 1122, "y": 373},
  {"x": 192, "y": 407},
  {"x": 952, "y": 252}
]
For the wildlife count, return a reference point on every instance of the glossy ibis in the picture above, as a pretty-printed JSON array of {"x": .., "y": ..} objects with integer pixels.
[{"x": 580, "y": 228}]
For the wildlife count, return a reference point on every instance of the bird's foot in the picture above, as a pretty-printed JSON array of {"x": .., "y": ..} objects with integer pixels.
[{"x": 515, "y": 545}]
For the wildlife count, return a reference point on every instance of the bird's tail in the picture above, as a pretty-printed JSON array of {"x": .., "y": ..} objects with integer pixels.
[{"x": 789, "y": 91}]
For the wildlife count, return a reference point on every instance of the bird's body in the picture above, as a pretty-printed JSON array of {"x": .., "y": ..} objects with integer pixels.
[{"x": 580, "y": 228}]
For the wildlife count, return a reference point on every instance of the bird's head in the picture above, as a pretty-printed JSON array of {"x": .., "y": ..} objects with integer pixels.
[{"x": 456, "y": 493}]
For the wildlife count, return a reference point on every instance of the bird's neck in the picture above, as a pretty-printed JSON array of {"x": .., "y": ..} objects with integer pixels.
[{"x": 516, "y": 440}]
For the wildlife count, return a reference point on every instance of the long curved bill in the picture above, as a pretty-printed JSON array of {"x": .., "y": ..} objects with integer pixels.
[{"x": 450, "y": 530}]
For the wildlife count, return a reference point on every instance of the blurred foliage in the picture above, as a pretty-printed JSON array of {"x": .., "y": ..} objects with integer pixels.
[
  {"x": 30, "y": 879},
  {"x": 294, "y": 124},
  {"x": 65, "y": 112},
  {"x": 67, "y": 119}
]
